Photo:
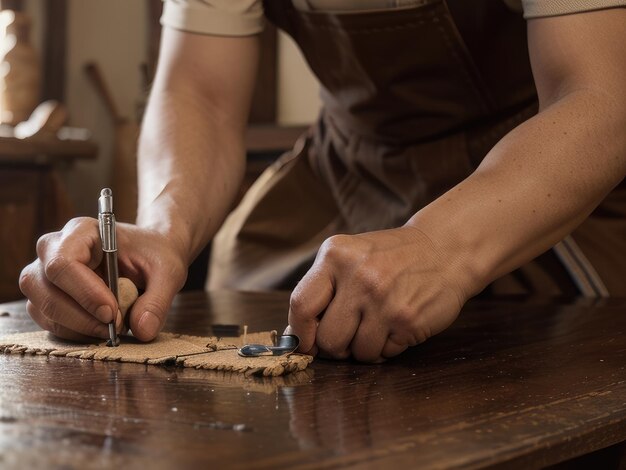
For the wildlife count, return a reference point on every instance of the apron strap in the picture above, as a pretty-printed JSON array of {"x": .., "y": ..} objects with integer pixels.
[
  {"x": 279, "y": 12},
  {"x": 580, "y": 269}
]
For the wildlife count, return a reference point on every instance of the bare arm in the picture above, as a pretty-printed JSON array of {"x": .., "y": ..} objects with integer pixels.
[
  {"x": 547, "y": 175},
  {"x": 191, "y": 150},
  {"x": 375, "y": 294},
  {"x": 191, "y": 159}
]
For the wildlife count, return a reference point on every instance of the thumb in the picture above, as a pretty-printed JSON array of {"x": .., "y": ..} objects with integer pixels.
[
  {"x": 147, "y": 316},
  {"x": 308, "y": 301}
]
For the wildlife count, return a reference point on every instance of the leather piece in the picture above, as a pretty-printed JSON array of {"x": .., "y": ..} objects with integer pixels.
[{"x": 197, "y": 352}]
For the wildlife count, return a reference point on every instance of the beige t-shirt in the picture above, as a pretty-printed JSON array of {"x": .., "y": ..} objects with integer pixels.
[{"x": 245, "y": 17}]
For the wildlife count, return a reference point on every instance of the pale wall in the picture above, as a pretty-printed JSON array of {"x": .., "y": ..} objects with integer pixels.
[{"x": 112, "y": 34}]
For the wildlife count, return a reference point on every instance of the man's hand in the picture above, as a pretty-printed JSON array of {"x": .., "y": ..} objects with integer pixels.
[
  {"x": 67, "y": 297},
  {"x": 371, "y": 296},
  {"x": 191, "y": 161},
  {"x": 374, "y": 295}
]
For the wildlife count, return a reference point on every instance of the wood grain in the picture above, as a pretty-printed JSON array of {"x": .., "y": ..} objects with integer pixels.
[{"x": 515, "y": 383}]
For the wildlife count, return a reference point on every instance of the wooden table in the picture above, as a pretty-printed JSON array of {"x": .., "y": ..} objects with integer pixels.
[{"x": 515, "y": 383}]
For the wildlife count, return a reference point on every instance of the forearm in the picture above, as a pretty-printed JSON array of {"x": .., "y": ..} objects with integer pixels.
[
  {"x": 531, "y": 190},
  {"x": 191, "y": 164},
  {"x": 191, "y": 148}
]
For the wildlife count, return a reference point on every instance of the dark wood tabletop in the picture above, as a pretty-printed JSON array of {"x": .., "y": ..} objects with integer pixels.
[{"x": 514, "y": 383}]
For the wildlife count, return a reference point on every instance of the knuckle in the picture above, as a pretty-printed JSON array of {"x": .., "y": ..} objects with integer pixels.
[
  {"x": 332, "y": 349},
  {"x": 55, "y": 267},
  {"x": 44, "y": 242},
  {"x": 27, "y": 280},
  {"x": 371, "y": 280},
  {"x": 418, "y": 334},
  {"x": 335, "y": 247},
  {"x": 79, "y": 222},
  {"x": 50, "y": 241},
  {"x": 297, "y": 304},
  {"x": 407, "y": 327},
  {"x": 402, "y": 318}
]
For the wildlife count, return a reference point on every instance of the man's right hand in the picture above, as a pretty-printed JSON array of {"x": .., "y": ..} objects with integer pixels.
[
  {"x": 68, "y": 297},
  {"x": 191, "y": 160}
]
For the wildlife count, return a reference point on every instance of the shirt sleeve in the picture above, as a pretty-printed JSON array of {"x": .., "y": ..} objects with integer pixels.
[
  {"x": 541, "y": 8},
  {"x": 218, "y": 17}
]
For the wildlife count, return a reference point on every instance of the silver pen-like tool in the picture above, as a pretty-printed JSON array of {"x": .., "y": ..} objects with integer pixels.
[{"x": 106, "y": 221}]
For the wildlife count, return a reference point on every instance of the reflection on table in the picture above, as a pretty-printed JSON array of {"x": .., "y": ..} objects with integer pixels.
[{"x": 515, "y": 383}]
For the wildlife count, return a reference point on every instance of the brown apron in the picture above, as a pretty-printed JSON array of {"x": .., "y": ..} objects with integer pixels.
[{"x": 413, "y": 99}]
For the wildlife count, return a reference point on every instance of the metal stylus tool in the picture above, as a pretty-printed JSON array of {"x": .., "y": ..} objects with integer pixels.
[
  {"x": 285, "y": 344},
  {"x": 106, "y": 221}
]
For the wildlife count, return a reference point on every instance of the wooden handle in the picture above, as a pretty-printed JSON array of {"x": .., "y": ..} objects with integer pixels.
[{"x": 95, "y": 75}]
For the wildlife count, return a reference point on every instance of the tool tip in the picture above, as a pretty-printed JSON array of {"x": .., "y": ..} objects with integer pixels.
[
  {"x": 115, "y": 340},
  {"x": 112, "y": 344},
  {"x": 106, "y": 192}
]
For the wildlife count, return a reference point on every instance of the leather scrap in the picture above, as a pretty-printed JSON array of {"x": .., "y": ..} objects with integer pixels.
[
  {"x": 228, "y": 360},
  {"x": 197, "y": 352}
]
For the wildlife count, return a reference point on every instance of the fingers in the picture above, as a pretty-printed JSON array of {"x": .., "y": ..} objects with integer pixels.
[
  {"x": 79, "y": 240},
  {"x": 338, "y": 327},
  {"x": 84, "y": 286},
  {"x": 54, "y": 328},
  {"x": 68, "y": 298},
  {"x": 148, "y": 313},
  {"x": 342, "y": 331},
  {"x": 308, "y": 301},
  {"x": 67, "y": 259},
  {"x": 55, "y": 311},
  {"x": 393, "y": 347},
  {"x": 65, "y": 295},
  {"x": 369, "y": 339}
]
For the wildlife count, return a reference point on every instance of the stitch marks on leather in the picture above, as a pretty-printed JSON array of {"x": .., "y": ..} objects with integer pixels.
[{"x": 196, "y": 352}]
